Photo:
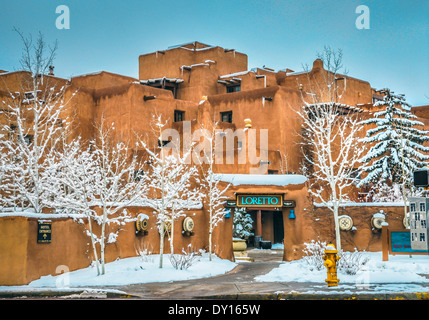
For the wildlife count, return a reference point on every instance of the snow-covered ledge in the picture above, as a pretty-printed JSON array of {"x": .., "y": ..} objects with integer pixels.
[
  {"x": 362, "y": 204},
  {"x": 262, "y": 179}
]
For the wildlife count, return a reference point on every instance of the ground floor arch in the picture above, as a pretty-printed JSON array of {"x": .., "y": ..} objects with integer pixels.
[{"x": 268, "y": 224}]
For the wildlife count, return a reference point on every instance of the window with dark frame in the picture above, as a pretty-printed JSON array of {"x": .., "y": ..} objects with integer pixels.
[
  {"x": 226, "y": 116},
  {"x": 28, "y": 138},
  {"x": 163, "y": 143},
  {"x": 179, "y": 115},
  {"x": 138, "y": 175},
  {"x": 235, "y": 88}
]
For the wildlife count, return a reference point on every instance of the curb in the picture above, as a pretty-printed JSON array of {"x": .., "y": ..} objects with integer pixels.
[
  {"x": 72, "y": 294},
  {"x": 309, "y": 296}
]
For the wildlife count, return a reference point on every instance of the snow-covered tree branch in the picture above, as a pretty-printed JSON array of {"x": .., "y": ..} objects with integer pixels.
[
  {"x": 173, "y": 183},
  {"x": 330, "y": 134},
  {"x": 215, "y": 198},
  {"x": 34, "y": 123}
]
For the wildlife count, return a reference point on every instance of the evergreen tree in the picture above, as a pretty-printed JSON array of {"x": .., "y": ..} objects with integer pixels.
[
  {"x": 243, "y": 224},
  {"x": 397, "y": 148}
]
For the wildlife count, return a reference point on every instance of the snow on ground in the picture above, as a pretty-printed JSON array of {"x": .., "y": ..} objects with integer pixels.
[
  {"x": 132, "y": 270},
  {"x": 399, "y": 269}
]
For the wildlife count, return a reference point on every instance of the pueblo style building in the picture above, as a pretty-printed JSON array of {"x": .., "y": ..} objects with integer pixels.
[{"x": 194, "y": 85}]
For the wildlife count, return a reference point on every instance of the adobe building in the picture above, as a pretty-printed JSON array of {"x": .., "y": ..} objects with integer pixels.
[{"x": 195, "y": 85}]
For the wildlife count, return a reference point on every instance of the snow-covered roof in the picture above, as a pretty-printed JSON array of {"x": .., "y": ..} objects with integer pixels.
[
  {"x": 262, "y": 179},
  {"x": 193, "y": 43},
  {"x": 172, "y": 80},
  {"x": 362, "y": 204},
  {"x": 234, "y": 74}
]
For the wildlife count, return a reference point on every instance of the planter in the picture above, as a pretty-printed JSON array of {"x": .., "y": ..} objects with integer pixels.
[
  {"x": 265, "y": 244},
  {"x": 239, "y": 244}
]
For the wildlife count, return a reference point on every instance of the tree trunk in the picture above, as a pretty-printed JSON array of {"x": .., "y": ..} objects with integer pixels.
[
  {"x": 172, "y": 234},
  {"x": 337, "y": 227},
  {"x": 97, "y": 263},
  {"x": 102, "y": 240},
  {"x": 161, "y": 242}
]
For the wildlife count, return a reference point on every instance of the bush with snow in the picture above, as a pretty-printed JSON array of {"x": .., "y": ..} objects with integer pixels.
[
  {"x": 314, "y": 252},
  {"x": 185, "y": 260},
  {"x": 242, "y": 224},
  {"x": 350, "y": 262}
]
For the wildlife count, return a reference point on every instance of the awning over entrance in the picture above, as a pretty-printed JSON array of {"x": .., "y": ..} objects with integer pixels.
[{"x": 262, "y": 179}]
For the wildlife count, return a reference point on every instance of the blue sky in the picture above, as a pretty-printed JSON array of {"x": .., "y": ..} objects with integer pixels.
[{"x": 110, "y": 35}]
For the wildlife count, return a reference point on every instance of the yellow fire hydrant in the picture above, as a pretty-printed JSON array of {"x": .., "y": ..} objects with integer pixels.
[{"x": 331, "y": 259}]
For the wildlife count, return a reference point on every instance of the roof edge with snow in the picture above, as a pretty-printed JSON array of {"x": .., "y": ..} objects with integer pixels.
[{"x": 262, "y": 179}]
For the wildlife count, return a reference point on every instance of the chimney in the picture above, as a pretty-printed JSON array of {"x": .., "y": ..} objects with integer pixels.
[
  {"x": 318, "y": 64},
  {"x": 51, "y": 70}
]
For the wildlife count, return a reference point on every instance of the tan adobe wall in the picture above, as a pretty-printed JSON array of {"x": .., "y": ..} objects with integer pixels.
[
  {"x": 321, "y": 223},
  {"x": 28, "y": 260}
]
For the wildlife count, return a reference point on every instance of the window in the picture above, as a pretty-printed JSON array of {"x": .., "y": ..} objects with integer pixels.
[
  {"x": 163, "y": 143},
  {"x": 412, "y": 207},
  {"x": 354, "y": 174},
  {"x": 422, "y": 237},
  {"x": 28, "y": 138},
  {"x": 226, "y": 116},
  {"x": 235, "y": 88},
  {"x": 273, "y": 171},
  {"x": 29, "y": 95},
  {"x": 138, "y": 175},
  {"x": 422, "y": 206},
  {"x": 179, "y": 115}
]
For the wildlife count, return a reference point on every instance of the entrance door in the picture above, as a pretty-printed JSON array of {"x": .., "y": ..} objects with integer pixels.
[{"x": 278, "y": 227}]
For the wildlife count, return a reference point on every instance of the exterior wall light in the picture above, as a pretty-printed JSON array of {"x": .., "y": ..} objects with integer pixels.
[
  {"x": 227, "y": 213},
  {"x": 292, "y": 214}
]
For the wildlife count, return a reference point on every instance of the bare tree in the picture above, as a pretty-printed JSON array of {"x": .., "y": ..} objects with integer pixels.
[
  {"x": 215, "y": 197},
  {"x": 34, "y": 122},
  {"x": 330, "y": 134},
  {"x": 172, "y": 182}
]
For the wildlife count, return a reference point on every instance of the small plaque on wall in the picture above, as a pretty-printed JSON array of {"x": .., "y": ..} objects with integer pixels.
[{"x": 44, "y": 231}]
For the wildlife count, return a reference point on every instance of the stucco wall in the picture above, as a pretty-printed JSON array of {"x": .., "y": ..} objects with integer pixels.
[{"x": 24, "y": 260}]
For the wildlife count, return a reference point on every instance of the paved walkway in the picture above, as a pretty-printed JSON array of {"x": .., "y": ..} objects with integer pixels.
[{"x": 239, "y": 284}]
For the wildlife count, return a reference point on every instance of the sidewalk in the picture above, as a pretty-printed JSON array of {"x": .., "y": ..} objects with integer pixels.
[{"x": 239, "y": 284}]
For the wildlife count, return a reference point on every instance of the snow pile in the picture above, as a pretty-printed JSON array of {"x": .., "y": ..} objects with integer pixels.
[
  {"x": 262, "y": 179},
  {"x": 399, "y": 269},
  {"x": 277, "y": 246},
  {"x": 135, "y": 270}
]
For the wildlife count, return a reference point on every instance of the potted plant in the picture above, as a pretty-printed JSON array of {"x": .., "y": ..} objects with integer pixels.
[{"x": 242, "y": 229}]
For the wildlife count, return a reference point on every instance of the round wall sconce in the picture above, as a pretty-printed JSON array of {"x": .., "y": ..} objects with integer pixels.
[
  {"x": 377, "y": 220},
  {"x": 345, "y": 223},
  {"x": 142, "y": 223},
  {"x": 188, "y": 226}
]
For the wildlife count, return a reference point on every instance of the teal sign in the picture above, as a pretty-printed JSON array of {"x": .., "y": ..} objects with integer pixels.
[
  {"x": 255, "y": 201},
  {"x": 400, "y": 242}
]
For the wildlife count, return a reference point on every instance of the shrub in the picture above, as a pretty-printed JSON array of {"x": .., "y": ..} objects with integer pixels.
[
  {"x": 315, "y": 250},
  {"x": 349, "y": 263},
  {"x": 185, "y": 260}
]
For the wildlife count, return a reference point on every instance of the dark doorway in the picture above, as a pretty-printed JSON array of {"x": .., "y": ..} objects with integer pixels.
[{"x": 278, "y": 226}]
